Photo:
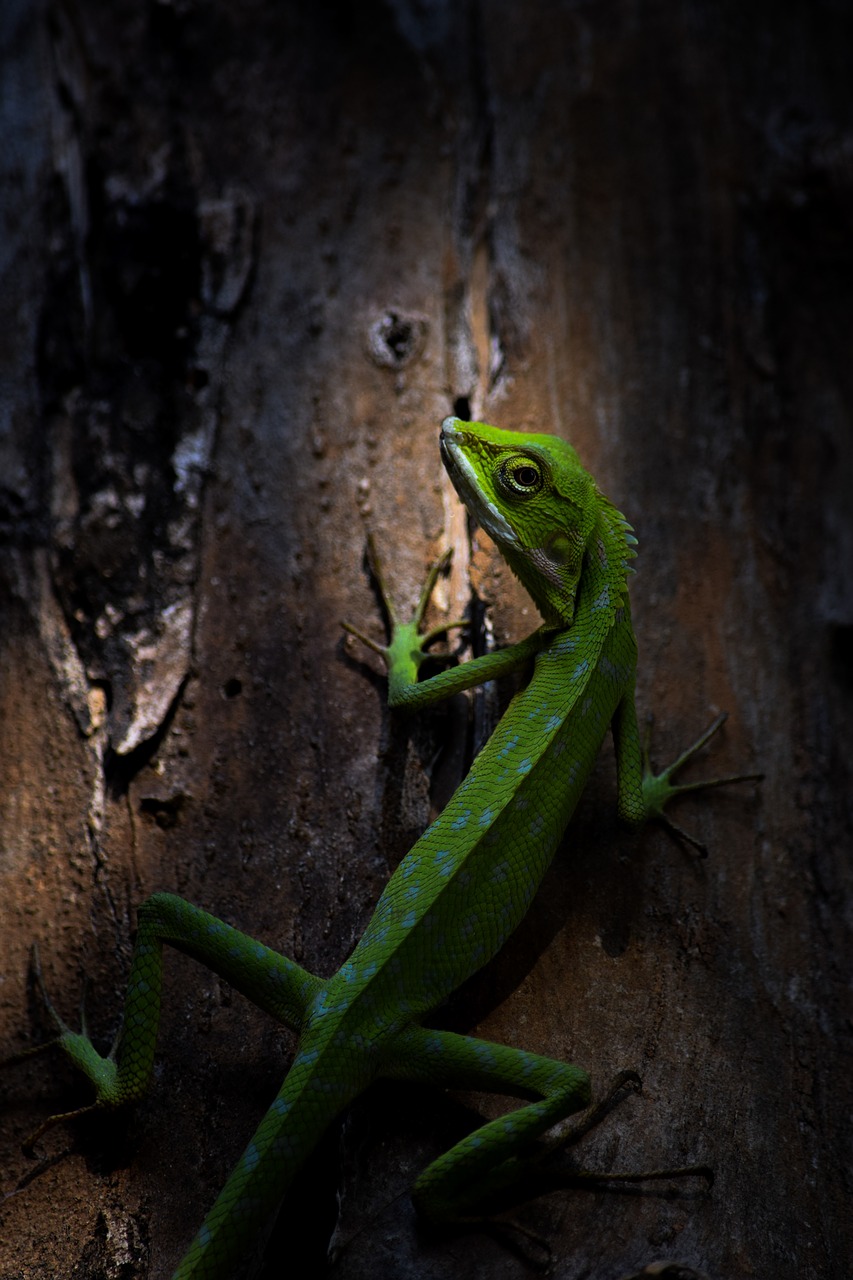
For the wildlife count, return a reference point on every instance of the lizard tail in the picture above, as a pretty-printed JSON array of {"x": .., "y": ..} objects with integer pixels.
[{"x": 303, "y": 1109}]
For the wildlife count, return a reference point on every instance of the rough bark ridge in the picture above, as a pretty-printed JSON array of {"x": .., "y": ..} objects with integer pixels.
[{"x": 251, "y": 255}]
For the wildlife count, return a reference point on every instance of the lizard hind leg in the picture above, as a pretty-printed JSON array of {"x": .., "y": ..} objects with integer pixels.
[
  {"x": 273, "y": 982},
  {"x": 493, "y": 1158},
  {"x": 513, "y": 1158}
]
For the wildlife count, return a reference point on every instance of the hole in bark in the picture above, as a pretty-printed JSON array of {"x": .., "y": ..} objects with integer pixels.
[
  {"x": 396, "y": 338},
  {"x": 462, "y": 408},
  {"x": 232, "y": 688}
]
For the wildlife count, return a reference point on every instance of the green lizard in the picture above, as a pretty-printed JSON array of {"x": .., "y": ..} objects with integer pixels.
[{"x": 462, "y": 889}]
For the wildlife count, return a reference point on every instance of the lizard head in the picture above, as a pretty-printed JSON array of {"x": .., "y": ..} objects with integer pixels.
[{"x": 542, "y": 508}]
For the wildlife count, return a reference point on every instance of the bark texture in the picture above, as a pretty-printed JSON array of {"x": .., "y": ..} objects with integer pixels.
[{"x": 251, "y": 255}]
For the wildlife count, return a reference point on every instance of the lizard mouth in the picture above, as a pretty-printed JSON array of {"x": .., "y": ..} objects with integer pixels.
[
  {"x": 449, "y": 442},
  {"x": 449, "y": 461},
  {"x": 466, "y": 484}
]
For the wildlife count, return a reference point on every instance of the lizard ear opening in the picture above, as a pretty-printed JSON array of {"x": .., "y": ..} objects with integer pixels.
[{"x": 564, "y": 548}]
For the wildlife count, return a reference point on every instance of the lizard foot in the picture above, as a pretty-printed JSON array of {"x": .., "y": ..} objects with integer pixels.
[
  {"x": 79, "y": 1048},
  {"x": 406, "y": 648},
  {"x": 659, "y": 789},
  {"x": 622, "y": 1085},
  {"x": 540, "y": 1170}
]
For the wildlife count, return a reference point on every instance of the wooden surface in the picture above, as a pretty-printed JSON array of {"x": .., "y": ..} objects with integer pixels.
[{"x": 252, "y": 254}]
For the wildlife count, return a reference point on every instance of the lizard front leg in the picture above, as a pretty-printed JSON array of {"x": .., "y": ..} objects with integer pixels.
[
  {"x": 642, "y": 793},
  {"x": 406, "y": 651}
]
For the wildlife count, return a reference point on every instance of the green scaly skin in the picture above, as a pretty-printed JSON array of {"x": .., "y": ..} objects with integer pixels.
[{"x": 460, "y": 892}]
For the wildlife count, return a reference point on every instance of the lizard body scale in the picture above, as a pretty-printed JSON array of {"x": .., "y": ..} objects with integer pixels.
[{"x": 463, "y": 887}]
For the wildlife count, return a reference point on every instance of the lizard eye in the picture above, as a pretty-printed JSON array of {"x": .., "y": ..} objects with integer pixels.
[{"x": 520, "y": 477}]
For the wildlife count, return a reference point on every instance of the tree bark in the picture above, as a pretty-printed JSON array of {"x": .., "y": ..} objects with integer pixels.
[{"x": 252, "y": 255}]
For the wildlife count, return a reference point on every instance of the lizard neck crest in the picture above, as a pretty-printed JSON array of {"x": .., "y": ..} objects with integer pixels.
[{"x": 542, "y": 508}]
